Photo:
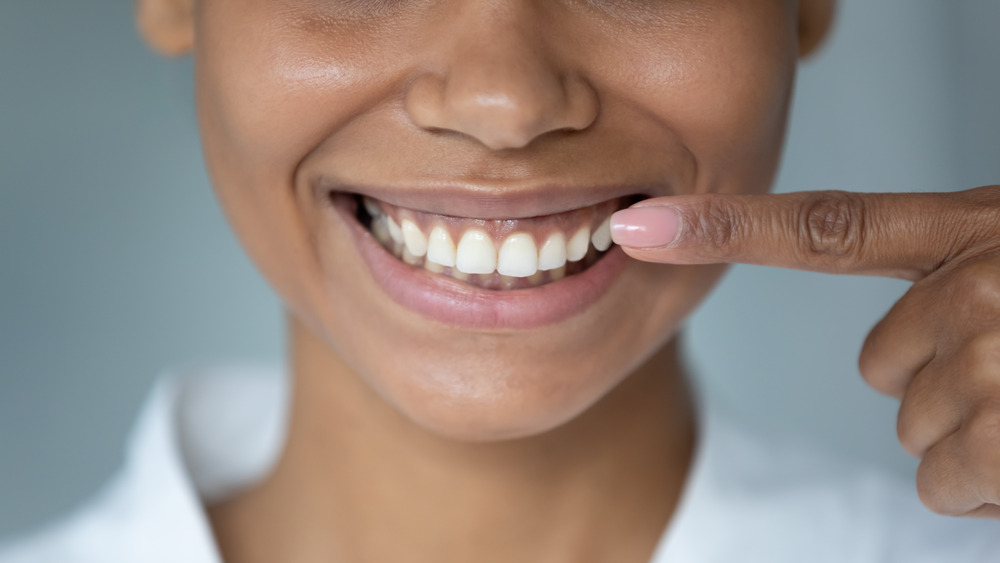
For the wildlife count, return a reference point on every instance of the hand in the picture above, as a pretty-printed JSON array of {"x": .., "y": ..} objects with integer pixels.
[{"x": 938, "y": 348}]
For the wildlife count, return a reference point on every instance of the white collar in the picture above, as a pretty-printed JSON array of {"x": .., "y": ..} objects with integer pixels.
[
  {"x": 199, "y": 437},
  {"x": 208, "y": 434}
]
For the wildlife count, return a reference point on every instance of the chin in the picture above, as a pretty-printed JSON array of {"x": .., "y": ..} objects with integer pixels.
[{"x": 469, "y": 404}]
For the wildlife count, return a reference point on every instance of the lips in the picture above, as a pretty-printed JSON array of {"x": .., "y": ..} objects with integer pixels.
[{"x": 512, "y": 273}]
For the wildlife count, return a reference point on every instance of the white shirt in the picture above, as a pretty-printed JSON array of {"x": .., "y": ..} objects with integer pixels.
[{"x": 204, "y": 436}]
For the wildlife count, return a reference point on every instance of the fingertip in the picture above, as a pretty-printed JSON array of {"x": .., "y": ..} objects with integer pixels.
[{"x": 645, "y": 227}]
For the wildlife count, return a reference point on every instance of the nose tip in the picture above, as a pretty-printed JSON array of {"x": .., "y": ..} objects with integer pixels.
[
  {"x": 499, "y": 120},
  {"x": 502, "y": 112}
]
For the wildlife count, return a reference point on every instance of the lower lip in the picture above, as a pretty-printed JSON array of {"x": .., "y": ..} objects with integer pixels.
[{"x": 452, "y": 302}]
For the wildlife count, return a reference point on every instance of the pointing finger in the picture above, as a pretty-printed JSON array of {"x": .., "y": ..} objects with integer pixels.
[{"x": 896, "y": 235}]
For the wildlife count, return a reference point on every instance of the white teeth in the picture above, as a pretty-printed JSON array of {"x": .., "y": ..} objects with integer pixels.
[
  {"x": 476, "y": 254},
  {"x": 395, "y": 231},
  {"x": 578, "y": 245},
  {"x": 371, "y": 207},
  {"x": 518, "y": 256},
  {"x": 440, "y": 248},
  {"x": 380, "y": 230},
  {"x": 552, "y": 255},
  {"x": 415, "y": 241},
  {"x": 602, "y": 236}
]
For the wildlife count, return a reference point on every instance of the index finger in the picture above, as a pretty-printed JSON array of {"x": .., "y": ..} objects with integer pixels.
[{"x": 895, "y": 235}]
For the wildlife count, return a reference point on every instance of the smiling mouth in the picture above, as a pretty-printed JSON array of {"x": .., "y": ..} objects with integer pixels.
[{"x": 493, "y": 254}]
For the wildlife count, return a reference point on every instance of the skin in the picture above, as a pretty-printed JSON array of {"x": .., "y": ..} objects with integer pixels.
[
  {"x": 938, "y": 348},
  {"x": 487, "y": 445}
]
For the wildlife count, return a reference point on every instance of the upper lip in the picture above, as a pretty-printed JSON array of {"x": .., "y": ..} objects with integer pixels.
[{"x": 494, "y": 201}]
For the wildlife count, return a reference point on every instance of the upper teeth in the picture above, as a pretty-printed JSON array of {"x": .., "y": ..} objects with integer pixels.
[
  {"x": 394, "y": 229},
  {"x": 476, "y": 253},
  {"x": 440, "y": 248},
  {"x": 413, "y": 238},
  {"x": 602, "y": 236},
  {"x": 519, "y": 255},
  {"x": 552, "y": 254},
  {"x": 577, "y": 246}
]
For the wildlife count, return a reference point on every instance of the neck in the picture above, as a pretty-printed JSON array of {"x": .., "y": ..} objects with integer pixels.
[{"x": 355, "y": 472}]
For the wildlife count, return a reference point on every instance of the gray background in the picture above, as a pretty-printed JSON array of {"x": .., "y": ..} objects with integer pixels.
[{"x": 115, "y": 262}]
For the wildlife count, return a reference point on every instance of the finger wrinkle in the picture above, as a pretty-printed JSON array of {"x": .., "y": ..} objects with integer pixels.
[
  {"x": 718, "y": 226},
  {"x": 833, "y": 225}
]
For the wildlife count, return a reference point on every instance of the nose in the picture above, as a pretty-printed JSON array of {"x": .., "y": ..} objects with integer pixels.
[{"x": 496, "y": 81}]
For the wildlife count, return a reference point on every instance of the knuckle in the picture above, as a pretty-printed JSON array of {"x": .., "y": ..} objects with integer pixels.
[
  {"x": 878, "y": 364},
  {"x": 931, "y": 491},
  {"x": 933, "y": 501},
  {"x": 870, "y": 358},
  {"x": 879, "y": 360},
  {"x": 875, "y": 373},
  {"x": 718, "y": 226},
  {"x": 882, "y": 378},
  {"x": 942, "y": 484},
  {"x": 832, "y": 224}
]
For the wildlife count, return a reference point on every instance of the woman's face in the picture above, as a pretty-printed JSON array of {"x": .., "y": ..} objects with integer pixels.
[{"x": 507, "y": 127}]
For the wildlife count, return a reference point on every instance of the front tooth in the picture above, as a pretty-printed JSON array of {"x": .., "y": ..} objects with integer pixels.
[
  {"x": 395, "y": 231},
  {"x": 552, "y": 255},
  {"x": 578, "y": 245},
  {"x": 415, "y": 241},
  {"x": 602, "y": 236},
  {"x": 518, "y": 256},
  {"x": 371, "y": 207},
  {"x": 476, "y": 254},
  {"x": 440, "y": 248}
]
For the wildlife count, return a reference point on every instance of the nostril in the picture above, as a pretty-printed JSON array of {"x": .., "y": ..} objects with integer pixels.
[{"x": 424, "y": 102}]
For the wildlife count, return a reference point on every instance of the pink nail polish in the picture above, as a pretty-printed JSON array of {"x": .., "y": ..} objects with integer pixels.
[{"x": 644, "y": 227}]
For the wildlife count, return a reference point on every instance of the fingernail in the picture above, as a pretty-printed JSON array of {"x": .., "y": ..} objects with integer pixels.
[{"x": 643, "y": 227}]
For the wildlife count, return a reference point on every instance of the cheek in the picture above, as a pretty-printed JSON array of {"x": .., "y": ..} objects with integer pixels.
[
  {"x": 723, "y": 87},
  {"x": 274, "y": 79},
  {"x": 278, "y": 82},
  {"x": 267, "y": 94}
]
